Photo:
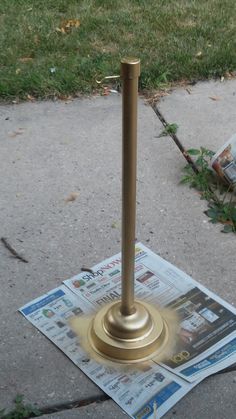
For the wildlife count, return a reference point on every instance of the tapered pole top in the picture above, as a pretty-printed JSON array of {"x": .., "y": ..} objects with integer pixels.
[{"x": 130, "y": 68}]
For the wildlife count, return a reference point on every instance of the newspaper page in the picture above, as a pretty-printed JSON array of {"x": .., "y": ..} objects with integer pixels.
[
  {"x": 206, "y": 342},
  {"x": 147, "y": 392},
  {"x": 224, "y": 161}
]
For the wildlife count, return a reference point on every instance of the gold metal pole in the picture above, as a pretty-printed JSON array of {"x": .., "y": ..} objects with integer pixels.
[
  {"x": 127, "y": 330},
  {"x": 130, "y": 71}
]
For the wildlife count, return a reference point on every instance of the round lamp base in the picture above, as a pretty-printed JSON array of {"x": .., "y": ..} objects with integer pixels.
[{"x": 133, "y": 338}]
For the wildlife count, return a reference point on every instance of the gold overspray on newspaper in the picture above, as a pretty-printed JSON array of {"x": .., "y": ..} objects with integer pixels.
[
  {"x": 128, "y": 330},
  {"x": 81, "y": 326}
]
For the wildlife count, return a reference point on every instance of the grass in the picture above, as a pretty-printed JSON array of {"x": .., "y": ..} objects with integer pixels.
[{"x": 184, "y": 39}]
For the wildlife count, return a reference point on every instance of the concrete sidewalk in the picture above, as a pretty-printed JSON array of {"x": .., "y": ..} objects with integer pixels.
[{"x": 52, "y": 149}]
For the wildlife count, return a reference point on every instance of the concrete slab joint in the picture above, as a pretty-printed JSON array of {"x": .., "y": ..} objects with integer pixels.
[{"x": 50, "y": 150}]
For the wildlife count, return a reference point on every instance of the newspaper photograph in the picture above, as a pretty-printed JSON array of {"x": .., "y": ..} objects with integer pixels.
[
  {"x": 224, "y": 161},
  {"x": 147, "y": 392},
  {"x": 206, "y": 342}
]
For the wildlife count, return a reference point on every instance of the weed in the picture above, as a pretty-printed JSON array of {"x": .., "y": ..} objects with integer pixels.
[
  {"x": 21, "y": 410},
  {"x": 168, "y": 130},
  {"x": 220, "y": 197}
]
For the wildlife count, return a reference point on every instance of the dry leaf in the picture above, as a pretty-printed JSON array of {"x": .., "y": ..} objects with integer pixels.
[
  {"x": 69, "y": 100},
  {"x": 72, "y": 197},
  {"x": 106, "y": 91},
  {"x": 15, "y": 133},
  {"x": 18, "y": 70},
  {"x": 61, "y": 30},
  {"x": 25, "y": 59},
  {"x": 67, "y": 25},
  {"x": 215, "y": 98},
  {"x": 31, "y": 98},
  {"x": 66, "y": 98},
  {"x": 199, "y": 54},
  {"x": 71, "y": 23},
  {"x": 155, "y": 98},
  {"x": 230, "y": 74},
  {"x": 189, "y": 91}
]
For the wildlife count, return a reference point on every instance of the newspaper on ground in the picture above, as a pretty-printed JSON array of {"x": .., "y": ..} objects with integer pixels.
[
  {"x": 224, "y": 161},
  {"x": 206, "y": 342},
  {"x": 140, "y": 392}
]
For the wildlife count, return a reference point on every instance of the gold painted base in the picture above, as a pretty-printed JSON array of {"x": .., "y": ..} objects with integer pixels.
[{"x": 133, "y": 338}]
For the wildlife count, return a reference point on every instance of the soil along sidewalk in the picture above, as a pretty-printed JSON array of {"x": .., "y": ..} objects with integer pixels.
[{"x": 53, "y": 150}]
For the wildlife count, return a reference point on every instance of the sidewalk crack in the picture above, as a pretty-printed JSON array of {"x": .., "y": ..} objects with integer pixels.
[
  {"x": 175, "y": 139},
  {"x": 60, "y": 407}
]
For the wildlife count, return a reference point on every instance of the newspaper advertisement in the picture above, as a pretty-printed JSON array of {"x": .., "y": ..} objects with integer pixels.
[
  {"x": 147, "y": 392},
  {"x": 224, "y": 161},
  {"x": 206, "y": 342}
]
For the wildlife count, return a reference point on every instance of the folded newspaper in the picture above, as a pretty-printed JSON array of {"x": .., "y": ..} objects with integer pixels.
[
  {"x": 224, "y": 161},
  {"x": 206, "y": 341}
]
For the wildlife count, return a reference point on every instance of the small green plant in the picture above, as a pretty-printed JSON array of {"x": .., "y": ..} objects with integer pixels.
[
  {"x": 21, "y": 410},
  {"x": 220, "y": 197},
  {"x": 169, "y": 129}
]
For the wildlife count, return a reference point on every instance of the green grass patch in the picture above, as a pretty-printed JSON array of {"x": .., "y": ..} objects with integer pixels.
[{"x": 190, "y": 39}]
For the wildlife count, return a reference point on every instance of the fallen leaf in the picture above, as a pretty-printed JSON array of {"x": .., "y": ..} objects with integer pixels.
[
  {"x": 106, "y": 91},
  {"x": 230, "y": 74},
  {"x": 189, "y": 91},
  {"x": 72, "y": 23},
  {"x": 154, "y": 98},
  {"x": 25, "y": 59},
  {"x": 199, "y": 54},
  {"x": 61, "y": 30},
  {"x": 72, "y": 197},
  {"x": 67, "y": 25},
  {"x": 31, "y": 98},
  {"x": 15, "y": 133},
  {"x": 65, "y": 97},
  {"x": 215, "y": 98}
]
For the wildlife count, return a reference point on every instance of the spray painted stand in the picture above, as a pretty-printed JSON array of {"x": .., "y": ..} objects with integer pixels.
[{"x": 128, "y": 330}]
